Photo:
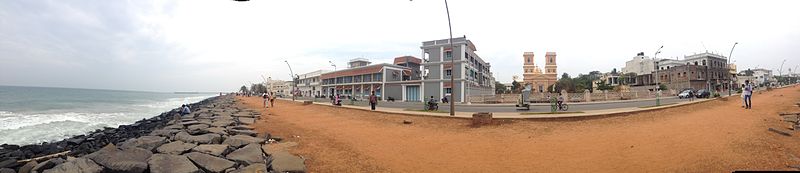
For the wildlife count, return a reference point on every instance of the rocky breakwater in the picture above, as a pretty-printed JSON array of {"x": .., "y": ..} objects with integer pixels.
[{"x": 217, "y": 137}]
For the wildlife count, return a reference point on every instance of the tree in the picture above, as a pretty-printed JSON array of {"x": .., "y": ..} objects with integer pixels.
[
  {"x": 499, "y": 88},
  {"x": 614, "y": 71},
  {"x": 662, "y": 87},
  {"x": 516, "y": 87},
  {"x": 565, "y": 83},
  {"x": 243, "y": 89},
  {"x": 603, "y": 86}
]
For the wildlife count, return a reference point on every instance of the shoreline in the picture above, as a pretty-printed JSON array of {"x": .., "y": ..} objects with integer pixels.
[{"x": 81, "y": 145}]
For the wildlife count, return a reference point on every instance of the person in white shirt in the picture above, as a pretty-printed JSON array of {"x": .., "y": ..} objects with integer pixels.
[{"x": 748, "y": 94}]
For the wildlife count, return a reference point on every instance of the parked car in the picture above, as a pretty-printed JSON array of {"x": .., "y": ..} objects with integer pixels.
[
  {"x": 685, "y": 94},
  {"x": 703, "y": 93}
]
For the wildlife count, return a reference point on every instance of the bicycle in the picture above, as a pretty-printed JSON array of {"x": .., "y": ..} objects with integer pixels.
[{"x": 563, "y": 107}]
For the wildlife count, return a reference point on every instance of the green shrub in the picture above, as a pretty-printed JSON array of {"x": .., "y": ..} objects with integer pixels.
[{"x": 716, "y": 94}]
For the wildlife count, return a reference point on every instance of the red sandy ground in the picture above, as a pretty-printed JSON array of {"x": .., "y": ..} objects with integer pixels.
[{"x": 715, "y": 136}]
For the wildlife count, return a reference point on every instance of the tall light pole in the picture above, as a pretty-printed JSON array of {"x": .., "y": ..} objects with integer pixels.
[
  {"x": 780, "y": 71},
  {"x": 294, "y": 82},
  {"x": 452, "y": 62},
  {"x": 655, "y": 63},
  {"x": 332, "y": 64},
  {"x": 730, "y": 81}
]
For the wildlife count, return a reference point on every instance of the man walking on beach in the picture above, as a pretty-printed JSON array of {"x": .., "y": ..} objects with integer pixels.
[
  {"x": 272, "y": 99},
  {"x": 748, "y": 94},
  {"x": 373, "y": 100},
  {"x": 266, "y": 100}
]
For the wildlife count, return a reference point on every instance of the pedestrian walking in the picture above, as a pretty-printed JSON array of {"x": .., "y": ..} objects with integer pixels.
[
  {"x": 748, "y": 95},
  {"x": 373, "y": 100},
  {"x": 272, "y": 99},
  {"x": 266, "y": 99}
]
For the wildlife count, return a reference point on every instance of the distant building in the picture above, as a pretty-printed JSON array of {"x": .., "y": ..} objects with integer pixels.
[
  {"x": 309, "y": 84},
  {"x": 763, "y": 77},
  {"x": 400, "y": 81},
  {"x": 279, "y": 87},
  {"x": 698, "y": 71},
  {"x": 472, "y": 75},
  {"x": 640, "y": 64},
  {"x": 534, "y": 76}
]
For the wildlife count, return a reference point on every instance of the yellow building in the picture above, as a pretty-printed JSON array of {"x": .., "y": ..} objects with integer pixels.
[{"x": 534, "y": 76}]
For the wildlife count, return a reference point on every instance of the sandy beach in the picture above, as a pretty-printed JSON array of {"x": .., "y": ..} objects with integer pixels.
[{"x": 715, "y": 136}]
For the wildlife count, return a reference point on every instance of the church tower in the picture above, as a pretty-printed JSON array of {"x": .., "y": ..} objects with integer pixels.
[
  {"x": 550, "y": 63},
  {"x": 529, "y": 65}
]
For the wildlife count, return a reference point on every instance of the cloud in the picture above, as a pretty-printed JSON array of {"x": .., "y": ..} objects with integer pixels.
[{"x": 219, "y": 45}]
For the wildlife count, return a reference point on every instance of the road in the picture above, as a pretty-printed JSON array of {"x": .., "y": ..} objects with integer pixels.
[{"x": 511, "y": 108}]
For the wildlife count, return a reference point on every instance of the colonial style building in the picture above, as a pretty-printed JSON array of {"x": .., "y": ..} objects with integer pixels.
[
  {"x": 309, "y": 84},
  {"x": 698, "y": 71},
  {"x": 534, "y": 76},
  {"x": 399, "y": 81}
]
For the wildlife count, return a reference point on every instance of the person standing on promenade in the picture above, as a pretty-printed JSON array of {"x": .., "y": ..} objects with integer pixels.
[
  {"x": 272, "y": 99},
  {"x": 742, "y": 95},
  {"x": 748, "y": 94},
  {"x": 373, "y": 100}
]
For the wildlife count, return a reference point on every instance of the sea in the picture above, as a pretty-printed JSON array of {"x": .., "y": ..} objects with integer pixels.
[{"x": 32, "y": 115}]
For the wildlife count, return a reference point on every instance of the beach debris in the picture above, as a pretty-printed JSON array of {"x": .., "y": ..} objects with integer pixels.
[
  {"x": 780, "y": 132},
  {"x": 407, "y": 122}
]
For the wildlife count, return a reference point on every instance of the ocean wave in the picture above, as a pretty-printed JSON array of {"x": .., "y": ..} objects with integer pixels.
[
  {"x": 47, "y": 132},
  {"x": 173, "y": 102},
  {"x": 10, "y": 120}
]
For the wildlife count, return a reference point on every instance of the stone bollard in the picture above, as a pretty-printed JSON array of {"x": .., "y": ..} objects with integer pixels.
[
  {"x": 307, "y": 102},
  {"x": 481, "y": 118}
]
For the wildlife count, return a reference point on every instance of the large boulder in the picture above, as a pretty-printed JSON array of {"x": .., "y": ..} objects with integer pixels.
[
  {"x": 243, "y": 132},
  {"x": 129, "y": 160},
  {"x": 213, "y": 149},
  {"x": 247, "y": 155},
  {"x": 48, "y": 164},
  {"x": 222, "y": 122},
  {"x": 209, "y": 138},
  {"x": 28, "y": 167},
  {"x": 175, "y": 147},
  {"x": 218, "y": 130},
  {"x": 165, "y": 132},
  {"x": 244, "y": 120},
  {"x": 284, "y": 162},
  {"x": 164, "y": 163},
  {"x": 197, "y": 129},
  {"x": 241, "y": 140},
  {"x": 7, "y": 170},
  {"x": 259, "y": 168},
  {"x": 77, "y": 165},
  {"x": 145, "y": 142},
  {"x": 210, "y": 163}
]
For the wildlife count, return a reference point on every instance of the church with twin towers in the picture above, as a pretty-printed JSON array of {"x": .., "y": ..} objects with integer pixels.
[{"x": 534, "y": 76}]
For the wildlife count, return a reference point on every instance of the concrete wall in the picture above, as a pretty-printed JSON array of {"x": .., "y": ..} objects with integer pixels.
[
  {"x": 431, "y": 89},
  {"x": 393, "y": 90}
]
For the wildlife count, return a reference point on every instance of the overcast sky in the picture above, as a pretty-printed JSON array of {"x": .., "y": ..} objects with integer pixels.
[{"x": 218, "y": 45}]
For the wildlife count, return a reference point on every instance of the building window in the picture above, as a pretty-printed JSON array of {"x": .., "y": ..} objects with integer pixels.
[
  {"x": 448, "y": 72},
  {"x": 448, "y": 55},
  {"x": 448, "y": 90}
]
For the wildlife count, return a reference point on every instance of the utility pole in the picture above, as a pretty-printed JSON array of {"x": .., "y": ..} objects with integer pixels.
[
  {"x": 730, "y": 81},
  {"x": 655, "y": 62},
  {"x": 294, "y": 81}
]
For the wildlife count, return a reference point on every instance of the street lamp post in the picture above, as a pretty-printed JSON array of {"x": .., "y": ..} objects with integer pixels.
[
  {"x": 730, "y": 81},
  {"x": 452, "y": 62},
  {"x": 655, "y": 63},
  {"x": 294, "y": 81},
  {"x": 332, "y": 64},
  {"x": 780, "y": 71}
]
